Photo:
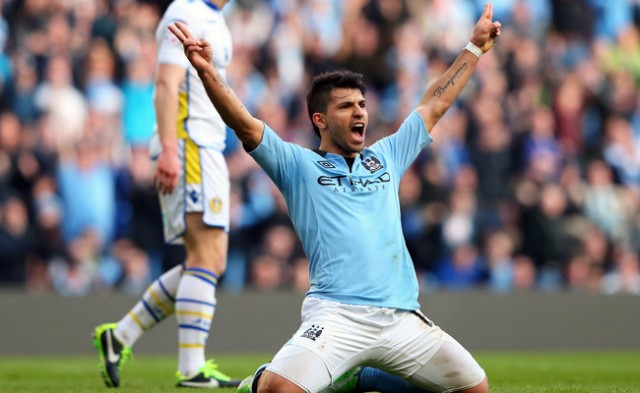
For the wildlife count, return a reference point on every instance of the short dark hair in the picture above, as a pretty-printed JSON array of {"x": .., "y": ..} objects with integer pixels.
[{"x": 323, "y": 84}]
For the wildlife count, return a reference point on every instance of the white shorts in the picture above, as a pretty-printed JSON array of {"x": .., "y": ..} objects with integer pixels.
[
  {"x": 203, "y": 186},
  {"x": 335, "y": 338}
]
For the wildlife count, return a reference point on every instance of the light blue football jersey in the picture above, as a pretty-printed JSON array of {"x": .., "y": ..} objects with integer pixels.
[{"x": 348, "y": 219}]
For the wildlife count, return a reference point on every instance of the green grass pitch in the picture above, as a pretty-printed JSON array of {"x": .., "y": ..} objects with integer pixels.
[{"x": 509, "y": 372}]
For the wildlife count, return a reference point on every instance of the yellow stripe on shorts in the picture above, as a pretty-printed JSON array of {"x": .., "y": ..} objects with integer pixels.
[{"x": 193, "y": 173}]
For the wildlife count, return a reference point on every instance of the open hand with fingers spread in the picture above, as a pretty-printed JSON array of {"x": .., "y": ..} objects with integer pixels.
[
  {"x": 486, "y": 30},
  {"x": 198, "y": 52}
]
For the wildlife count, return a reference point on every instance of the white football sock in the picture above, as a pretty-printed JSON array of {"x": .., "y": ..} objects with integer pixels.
[
  {"x": 156, "y": 304},
  {"x": 195, "y": 306}
]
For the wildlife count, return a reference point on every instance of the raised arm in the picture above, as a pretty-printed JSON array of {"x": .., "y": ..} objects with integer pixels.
[
  {"x": 441, "y": 94},
  {"x": 248, "y": 129}
]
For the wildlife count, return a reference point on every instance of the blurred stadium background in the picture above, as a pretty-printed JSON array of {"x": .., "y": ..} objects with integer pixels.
[{"x": 526, "y": 207}]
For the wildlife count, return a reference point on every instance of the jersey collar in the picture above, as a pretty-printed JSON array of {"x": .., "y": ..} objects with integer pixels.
[
  {"x": 347, "y": 160},
  {"x": 211, "y": 5}
]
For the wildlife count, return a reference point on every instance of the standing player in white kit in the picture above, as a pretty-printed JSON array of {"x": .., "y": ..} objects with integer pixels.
[{"x": 193, "y": 183}]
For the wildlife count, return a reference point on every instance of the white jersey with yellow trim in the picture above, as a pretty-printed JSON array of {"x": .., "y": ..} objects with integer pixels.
[{"x": 197, "y": 118}]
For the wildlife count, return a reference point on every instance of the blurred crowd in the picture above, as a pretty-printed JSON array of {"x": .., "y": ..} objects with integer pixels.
[{"x": 532, "y": 182}]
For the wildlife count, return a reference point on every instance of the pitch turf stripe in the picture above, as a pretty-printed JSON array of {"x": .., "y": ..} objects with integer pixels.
[{"x": 193, "y": 327}]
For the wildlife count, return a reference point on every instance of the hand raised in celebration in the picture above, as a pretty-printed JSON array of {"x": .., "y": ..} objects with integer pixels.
[
  {"x": 198, "y": 52},
  {"x": 486, "y": 30}
]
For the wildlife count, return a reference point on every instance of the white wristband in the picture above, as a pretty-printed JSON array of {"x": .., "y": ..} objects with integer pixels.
[{"x": 473, "y": 48}]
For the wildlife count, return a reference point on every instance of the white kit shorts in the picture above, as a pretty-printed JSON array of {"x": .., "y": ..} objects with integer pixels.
[
  {"x": 334, "y": 338},
  {"x": 203, "y": 186}
]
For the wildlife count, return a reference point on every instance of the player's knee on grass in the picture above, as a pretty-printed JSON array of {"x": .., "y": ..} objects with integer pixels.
[{"x": 273, "y": 383}]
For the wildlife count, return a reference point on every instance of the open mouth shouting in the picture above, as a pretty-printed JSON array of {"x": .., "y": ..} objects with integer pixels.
[{"x": 357, "y": 132}]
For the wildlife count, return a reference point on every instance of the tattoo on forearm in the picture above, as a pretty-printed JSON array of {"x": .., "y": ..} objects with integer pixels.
[
  {"x": 440, "y": 90},
  {"x": 222, "y": 82},
  {"x": 220, "y": 79}
]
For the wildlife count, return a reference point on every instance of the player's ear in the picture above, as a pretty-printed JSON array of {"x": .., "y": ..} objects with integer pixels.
[{"x": 318, "y": 120}]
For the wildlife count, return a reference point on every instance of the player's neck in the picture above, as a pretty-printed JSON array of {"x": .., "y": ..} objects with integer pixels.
[{"x": 333, "y": 149}]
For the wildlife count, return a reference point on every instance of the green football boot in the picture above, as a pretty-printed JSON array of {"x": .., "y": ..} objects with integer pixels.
[
  {"x": 208, "y": 377},
  {"x": 113, "y": 354}
]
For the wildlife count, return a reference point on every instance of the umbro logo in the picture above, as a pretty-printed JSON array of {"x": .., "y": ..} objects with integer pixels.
[
  {"x": 313, "y": 332},
  {"x": 326, "y": 164},
  {"x": 194, "y": 196}
]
